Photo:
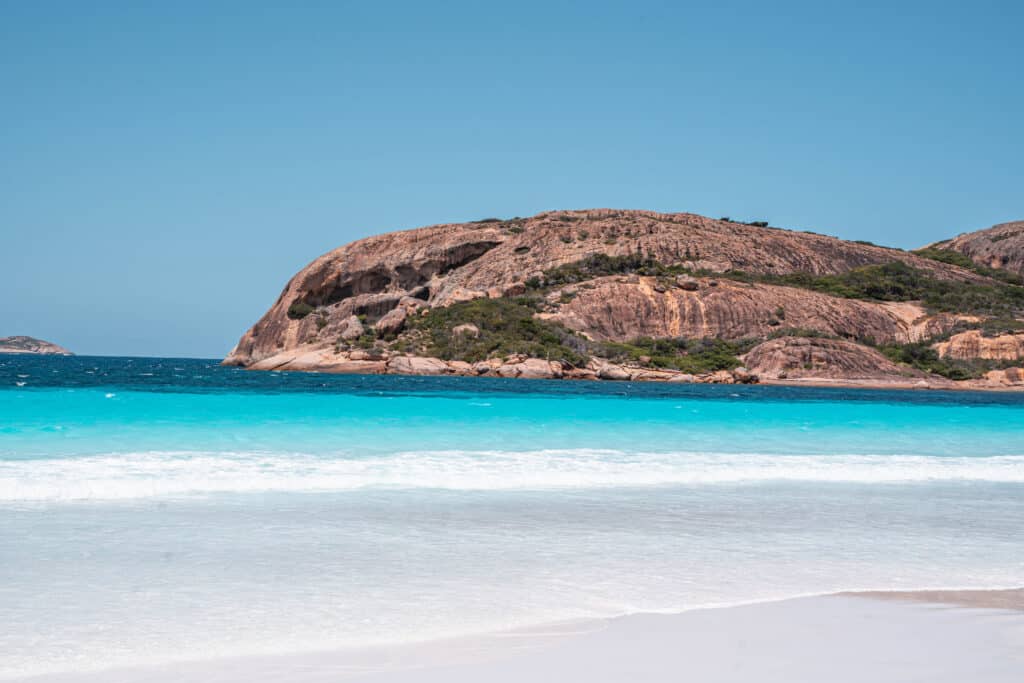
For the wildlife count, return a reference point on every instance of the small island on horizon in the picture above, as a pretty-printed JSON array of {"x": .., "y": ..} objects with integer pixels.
[
  {"x": 606, "y": 294},
  {"x": 30, "y": 345}
]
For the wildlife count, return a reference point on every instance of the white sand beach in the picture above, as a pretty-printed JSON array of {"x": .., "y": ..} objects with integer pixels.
[{"x": 934, "y": 636}]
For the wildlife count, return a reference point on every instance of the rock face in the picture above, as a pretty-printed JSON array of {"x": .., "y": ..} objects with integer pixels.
[
  {"x": 972, "y": 344},
  {"x": 31, "y": 345},
  {"x": 1000, "y": 247},
  {"x": 813, "y": 358},
  {"x": 442, "y": 264},
  {"x": 1010, "y": 378},
  {"x": 359, "y": 307},
  {"x": 623, "y": 308}
]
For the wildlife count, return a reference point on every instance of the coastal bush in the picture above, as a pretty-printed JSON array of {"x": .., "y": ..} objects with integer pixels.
[
  {"x": 598, "y": 265},
  {"x": 506, "y": 325},
  {"x": 893, "y": 281},
  {"x": 922, "y": 356},
  {"x": 957, "y": 259},
  {"x": 897, "y": 281},
  {"x": 299, "y": 310},
  {"x": 694, "y": 356}
]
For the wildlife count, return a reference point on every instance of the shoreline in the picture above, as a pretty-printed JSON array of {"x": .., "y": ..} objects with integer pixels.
[
  {"x": 996, "y": 598},
  {"x": 661, "y": 377},
  {"x": 945, "y": 635}
]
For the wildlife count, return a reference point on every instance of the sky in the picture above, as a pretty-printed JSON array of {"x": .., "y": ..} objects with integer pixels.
[{"x": 166, "y": 167}]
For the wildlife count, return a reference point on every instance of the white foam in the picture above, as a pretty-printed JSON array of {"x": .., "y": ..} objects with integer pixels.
[{"x": 178, "y": 473}]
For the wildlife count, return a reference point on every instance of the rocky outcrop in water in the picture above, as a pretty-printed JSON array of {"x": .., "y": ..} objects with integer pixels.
[
  {"x": 370, "y": 306},
  {"x": 443, "y": 264},
  {"x": 22, "y": 344}
]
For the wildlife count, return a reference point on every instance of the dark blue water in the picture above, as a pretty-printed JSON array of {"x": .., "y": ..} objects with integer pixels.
[{"x": 193, "y": 375}]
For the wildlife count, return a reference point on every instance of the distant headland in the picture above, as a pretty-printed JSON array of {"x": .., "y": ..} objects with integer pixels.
[{"x": 22, "y": 344}]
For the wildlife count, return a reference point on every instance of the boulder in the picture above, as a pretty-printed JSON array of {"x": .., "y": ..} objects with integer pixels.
[
  {"x": 684, "y": 377},
  {"x": 973, "y": 344},
  {"x": 466, "y": 330},
  {"x": 1010, "y": 377},
  {"x": 351, "y": 328},
  {"x": 744, "y": 376},
  {"x": 460, "y": 294},
  {"x": 367, "y": 354},
  {"x": 392, "y": 322},
  {"x": 580, "y": 373},
  {"x": 688, "y": 283},
  {"x": 510, "y": 370},
  {"x": 613, "y": 372},
  {"x": 515, "y": 289},
  {"x": 417, "y": 365},
  {"x": 411, "y": 303},
  {"x": 538, "y": 368},
  {"x": 461, "y": 367},
  {"x": 720, "y": 377},
  {"x": 356, "y": 367},
  {"x": 651, "y": 375}
]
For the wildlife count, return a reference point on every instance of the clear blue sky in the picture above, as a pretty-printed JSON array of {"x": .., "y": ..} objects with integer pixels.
[{"x": 165, "y": 167}]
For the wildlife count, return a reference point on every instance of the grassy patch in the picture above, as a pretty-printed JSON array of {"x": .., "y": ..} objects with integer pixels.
[
  {"x": 894, "y": 281},
  {"x": 922, "y": 356},
  {"x": 299, "y": 310},
  {"x": 507, "y": 326},
  {"x": 694, "y": 356},
  {"x": 957, "y": 259},
  {"x": 599, "y": 265}
]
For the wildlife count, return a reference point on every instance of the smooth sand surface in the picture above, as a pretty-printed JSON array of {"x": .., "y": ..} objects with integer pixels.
[{"x": 847, "y": 637}]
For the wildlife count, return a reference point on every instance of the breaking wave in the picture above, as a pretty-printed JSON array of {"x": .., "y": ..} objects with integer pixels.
[{"x": 181, "y": 473}]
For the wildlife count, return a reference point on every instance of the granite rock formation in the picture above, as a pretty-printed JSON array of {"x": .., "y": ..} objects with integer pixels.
[
  {"x": 1000, "y": 247},
  {"x": 358, "y": 308},
  {"x": 22, "y": 344}
]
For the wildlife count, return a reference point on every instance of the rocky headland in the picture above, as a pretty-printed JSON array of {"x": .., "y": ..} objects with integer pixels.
[
  {"x": 1000, "y": 247},
  {"x": 22, "y": 344},
  {"x": 637, "y": 295}
]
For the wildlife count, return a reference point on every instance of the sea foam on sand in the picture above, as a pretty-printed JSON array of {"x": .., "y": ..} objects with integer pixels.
[{"x": 838, "y": 638}]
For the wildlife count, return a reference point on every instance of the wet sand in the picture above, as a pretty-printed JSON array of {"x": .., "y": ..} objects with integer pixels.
[{"x": 936, "y": 636}]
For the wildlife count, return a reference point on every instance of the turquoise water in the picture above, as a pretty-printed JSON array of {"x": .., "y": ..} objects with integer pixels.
[{"x": 157, "y": 510}]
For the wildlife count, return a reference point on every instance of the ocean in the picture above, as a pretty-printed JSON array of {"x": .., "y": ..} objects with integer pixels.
[{"x": 159, "y": 510}]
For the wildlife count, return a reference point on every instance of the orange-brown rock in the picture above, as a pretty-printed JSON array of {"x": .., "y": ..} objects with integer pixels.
[
  {"x": 999, "y": 247},
  {"x": 1010, "y": 377},
  {"x": 31, "y": 345},
  {"x": 625, "y": 308},
  {"x": 802, "y": 358},
  {"x": 445, "y": 263},
  {"x": 973, "y": 344}
]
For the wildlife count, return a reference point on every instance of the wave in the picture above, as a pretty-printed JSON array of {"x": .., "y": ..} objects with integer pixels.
[{"x": 186, "y": 473}]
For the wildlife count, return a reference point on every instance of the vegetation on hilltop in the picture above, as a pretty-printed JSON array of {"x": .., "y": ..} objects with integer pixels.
[
  {"x": 694, "y": 356},
  {"x": 894, "y": 281},
  {"x": 957, "y": 259},
  {"x": 507, "y": 326},
  {"x": 921, "y": 356}
]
